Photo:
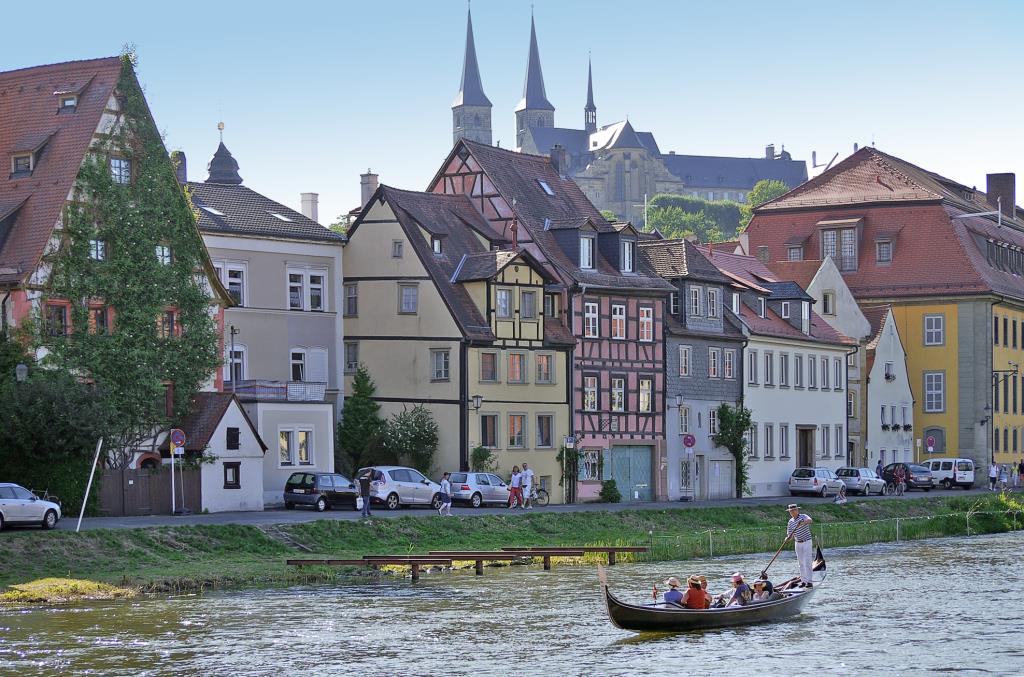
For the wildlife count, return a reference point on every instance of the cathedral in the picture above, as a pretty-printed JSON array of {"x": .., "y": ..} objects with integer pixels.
[{"x": 617, "y": 167}]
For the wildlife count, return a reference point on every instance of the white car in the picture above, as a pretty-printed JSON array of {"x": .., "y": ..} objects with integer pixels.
[
  {"x": 818, "y": 481},
  {"x": 18, "y": 505},
  {"x": 395, "y": 486}
]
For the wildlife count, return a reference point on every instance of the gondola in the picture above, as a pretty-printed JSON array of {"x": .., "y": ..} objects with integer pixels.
[{"x": 661, "y": 617}]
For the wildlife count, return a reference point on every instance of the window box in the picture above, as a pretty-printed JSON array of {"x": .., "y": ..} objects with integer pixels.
[
  {"x": 885, "y": 426},
  {"x": 908, "y": 427}
]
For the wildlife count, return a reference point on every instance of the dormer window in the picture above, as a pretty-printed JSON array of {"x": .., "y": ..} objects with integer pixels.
[
  {"x": 785, "y": 310},
  {"x": 547, "y": 189},
  {"x": 736, "y": 303},
  {"x": 761, "y": 307},
  {"x": 883, "y": 251},
  {"x": 628, "y": 256},
  {"x": 586, "y": 252},
  {"x": 21, "y": 165},
  {"x": 68, "y": 103},
  {"x": 805, "y": 317},
  {"x": 795, "y": 253},
  {"x": 436, "y": 244}
]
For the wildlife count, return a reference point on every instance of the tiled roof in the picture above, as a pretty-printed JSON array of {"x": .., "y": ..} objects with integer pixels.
[
  {"x": 208, "y": 408},
  {"x": 28, "y": 116},
  {"x": 679, "y": 258},
  {"x": 787, "y": 290},
  {"x": 801, "y": 272},
  {"x": 875, "y": 316},
  {"x": 482, "y": 266},
  {"x": 734, "y": 172}
]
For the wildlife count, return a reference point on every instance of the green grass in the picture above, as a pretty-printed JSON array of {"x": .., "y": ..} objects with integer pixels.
[{"x": 195, "y": 557}]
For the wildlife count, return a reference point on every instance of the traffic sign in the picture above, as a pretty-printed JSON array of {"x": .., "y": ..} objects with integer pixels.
[
  {"x": 570, "y": 442},
  {"x": 689, "y": 440},
  {"x": 931, "y": 443},
  {"x": 177, "y": 441}
]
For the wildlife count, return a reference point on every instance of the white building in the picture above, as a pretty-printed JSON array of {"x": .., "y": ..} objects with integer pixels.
[{"x": 890, "y": 412}]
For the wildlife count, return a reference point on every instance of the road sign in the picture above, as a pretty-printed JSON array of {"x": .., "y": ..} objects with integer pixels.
[
  {"x": 177, "y": 441},
  {"x": 689, "y": 441},
  {"x": 931, "y": 443},
  {"x": 569, "y": 442}
]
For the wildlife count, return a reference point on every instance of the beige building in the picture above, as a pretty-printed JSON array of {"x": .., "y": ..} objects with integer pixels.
[{"x": 441, "y": 317}]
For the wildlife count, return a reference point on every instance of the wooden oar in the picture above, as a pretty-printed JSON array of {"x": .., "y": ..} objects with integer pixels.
[{"x": 764, "y": 572}]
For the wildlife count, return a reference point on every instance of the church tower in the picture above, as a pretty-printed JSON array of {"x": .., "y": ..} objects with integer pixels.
[
  {"x": 471, "y": 110},
  {"x": 534, "y": 110},
  {"x": 590, "y": 110}
]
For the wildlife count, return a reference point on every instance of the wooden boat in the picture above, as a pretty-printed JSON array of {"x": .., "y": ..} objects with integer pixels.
[{"x": 661, "y": 617}]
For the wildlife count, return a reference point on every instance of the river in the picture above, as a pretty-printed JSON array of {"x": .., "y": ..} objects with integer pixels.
[{"x": 914, "y": 608}]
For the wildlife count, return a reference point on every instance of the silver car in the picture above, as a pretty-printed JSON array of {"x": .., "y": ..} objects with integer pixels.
[
  {"x": 18, "y": 505},
  {"x": 478, "y": 488},
  {"x": 820, "y": 481},
  {"x": 861, "y": 481},
  {"x": 395, "y": 486}
]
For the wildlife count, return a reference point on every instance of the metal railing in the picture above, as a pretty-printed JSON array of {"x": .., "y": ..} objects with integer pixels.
[{"x": 279, "y": 391}]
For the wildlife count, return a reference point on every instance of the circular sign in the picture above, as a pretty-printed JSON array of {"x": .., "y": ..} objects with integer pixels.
[
  {"x": 931, "y": 441},
  {"x": 178, "y": 437},
  {"x": 689, "y": 441}
]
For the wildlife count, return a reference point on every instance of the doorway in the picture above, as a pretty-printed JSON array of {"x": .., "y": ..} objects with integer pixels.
[{"x": 805, "y": 447}]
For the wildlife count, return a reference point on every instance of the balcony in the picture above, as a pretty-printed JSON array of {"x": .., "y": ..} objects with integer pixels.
[{"x": 278, "y": 391}]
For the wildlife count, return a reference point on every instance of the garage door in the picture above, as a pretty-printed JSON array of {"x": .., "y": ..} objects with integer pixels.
[
  {"x": 631, "y": 470},
  {"x": 720, "y": 481}
]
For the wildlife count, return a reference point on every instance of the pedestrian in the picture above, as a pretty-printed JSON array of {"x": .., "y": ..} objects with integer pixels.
[
  {"x": 445, "y": 495},
  {"x": 365, "y": 478},
  {"x": 1003, "y": 477},
  {"x": 993, "y": 475},
  {"x": 515, "y": 496},
  {"x": 878, "y": 467},
  {"x": 799, "y": 529},
  {"x": 527, "y": 483},
  {"x": 1020, "y": 470}
]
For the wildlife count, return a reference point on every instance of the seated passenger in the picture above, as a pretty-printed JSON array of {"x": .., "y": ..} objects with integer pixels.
[
  {"x": 672, "y": 595},
  {"x": 741, "y": 592},
  {"x": 760, "y": 593},
  {"x": 704, "y": 587},
  {"x": 695, "y": 597}
]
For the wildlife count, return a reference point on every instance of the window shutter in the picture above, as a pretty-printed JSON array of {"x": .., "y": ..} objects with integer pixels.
[
  {"x": 316, "y": 367},
  {"x": 581, "y": 468},
  {"x": 606, "y": 464},
  {"x": 233, "y": 438}
]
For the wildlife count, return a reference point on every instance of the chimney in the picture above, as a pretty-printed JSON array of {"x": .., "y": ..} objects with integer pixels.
[
  {"x": 1000, "y": 189},
  {"x": 367, "y": 186},
  {"x": 310, "y": 205},
  {"x": 769, "y": 152},
  {"x": 814, "y": 158},
  {"x": 515, "y": 234},
  {"x": 558, "y": 159},
  {"x": 180, "y": 166},
  {"x": 856, "y": 147}
]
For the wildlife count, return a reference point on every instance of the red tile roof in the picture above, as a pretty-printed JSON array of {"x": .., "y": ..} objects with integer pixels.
[
  {"x": 28, "y": 117},
  {"x": 208, "y": 408},
  {"x": 801, "y": 272}
]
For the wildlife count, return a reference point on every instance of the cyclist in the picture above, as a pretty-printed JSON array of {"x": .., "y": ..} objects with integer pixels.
[{"x": 899, "y": 477}]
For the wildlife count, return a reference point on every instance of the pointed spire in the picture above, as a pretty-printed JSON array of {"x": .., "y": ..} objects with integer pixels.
[
  {"x": 223, "y": 168},
  {"x": 534, "y": 95},
  {"x": 590, "y": 87},
  {"x": 471, "y": 90}
]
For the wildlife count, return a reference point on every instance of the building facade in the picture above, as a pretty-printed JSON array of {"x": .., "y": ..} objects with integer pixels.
[{"x": 890, "y": 409}]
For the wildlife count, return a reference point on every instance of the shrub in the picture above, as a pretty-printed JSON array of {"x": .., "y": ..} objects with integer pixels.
[
  {"x": 609, "y": 492},
  {"x": 482, "y": 459}
]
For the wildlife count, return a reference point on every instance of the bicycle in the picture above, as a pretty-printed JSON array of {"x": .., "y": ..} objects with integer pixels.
[
  {"x": 894, "y": 489},
  {"x": 538, "y": 497}
]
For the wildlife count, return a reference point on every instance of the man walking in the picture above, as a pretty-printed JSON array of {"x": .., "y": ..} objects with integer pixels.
[
  {"x": 878, "y": 468},
  {"x": 527, "y": 481},
  {"x": 993, "y": 475},
  {"x": 364, "y": 490},
  {"x": 799, "y": 528}
]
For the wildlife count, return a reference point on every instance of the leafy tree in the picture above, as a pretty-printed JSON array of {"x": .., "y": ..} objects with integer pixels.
[
  {"x": 678, "y": 216},
  {"x": 765, "y": 190},
  {"x": 360, "y": 431},
  {"x": 411, "y": 435},
  {"x": 609, "y": 215},
  {"x": 482, "y": 459},
  {"x": 733, "y": 427}
]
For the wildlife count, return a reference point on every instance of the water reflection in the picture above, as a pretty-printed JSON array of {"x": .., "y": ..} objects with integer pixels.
[{"x": 907, "y": 609}]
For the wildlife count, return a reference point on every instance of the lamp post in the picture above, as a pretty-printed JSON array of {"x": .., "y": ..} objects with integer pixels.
[{"x": 21, "y": 372}]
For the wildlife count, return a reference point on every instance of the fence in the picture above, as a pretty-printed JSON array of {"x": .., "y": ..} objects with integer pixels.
[{"x": 147, "y": 492}]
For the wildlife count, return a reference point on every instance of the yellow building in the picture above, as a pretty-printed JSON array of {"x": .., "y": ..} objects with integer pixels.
[
  {"x": 1007, "y": 398},
  {"x": 440, "y": 315}
]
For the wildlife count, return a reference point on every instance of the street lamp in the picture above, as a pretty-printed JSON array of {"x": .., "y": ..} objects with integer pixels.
[
  {"x": 478, "y": 401},
  {"x": 21, "y": 372}
]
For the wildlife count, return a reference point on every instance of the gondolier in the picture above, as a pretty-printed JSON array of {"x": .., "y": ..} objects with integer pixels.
[{"x": 799, "y": 529}]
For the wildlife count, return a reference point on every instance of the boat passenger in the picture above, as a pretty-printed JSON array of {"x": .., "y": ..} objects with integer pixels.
[
  {"x": 760, "y": 593},
  {"x": 741, "y": 592},
  {"x": 704, "y": 588},
  {"x": 695, "y": 597},
  {"x": 672, "y": 595}
]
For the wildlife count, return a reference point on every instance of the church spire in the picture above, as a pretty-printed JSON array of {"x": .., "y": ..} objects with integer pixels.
[
  {"x": 534, "y": 110},
  {"x": 471, "y": 110},
  {"x": 590, "y": 110}
]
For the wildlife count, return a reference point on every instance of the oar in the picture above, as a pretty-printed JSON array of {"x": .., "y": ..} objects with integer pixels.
[{"x": 764, "y": 572}]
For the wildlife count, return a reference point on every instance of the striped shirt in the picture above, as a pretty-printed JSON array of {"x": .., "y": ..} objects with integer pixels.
[{"x": 803, "y": 532}]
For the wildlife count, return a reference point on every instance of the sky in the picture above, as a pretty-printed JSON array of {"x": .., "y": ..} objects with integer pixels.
[{"x": 312, "y": 94}]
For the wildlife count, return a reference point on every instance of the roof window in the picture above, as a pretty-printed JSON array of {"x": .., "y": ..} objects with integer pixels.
[
  {"x": 68, "y": 103},
  {"x": 21, "y": 165},
  {"x": 546, "y": 187},
  {"x": 279, "y": 216},
  {"x": 211, "y": 210}
]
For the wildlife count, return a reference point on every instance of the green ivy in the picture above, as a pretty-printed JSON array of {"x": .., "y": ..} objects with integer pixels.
[
  {"x": 733, "y": 426},
  {"x": 132, "y": 362}
]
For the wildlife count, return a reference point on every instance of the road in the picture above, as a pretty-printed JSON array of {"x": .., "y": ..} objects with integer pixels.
[{"x": 281, "y": 516}]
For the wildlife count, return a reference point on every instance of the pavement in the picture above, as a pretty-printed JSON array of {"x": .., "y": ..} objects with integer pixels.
[{"x": 298, "y": 515}]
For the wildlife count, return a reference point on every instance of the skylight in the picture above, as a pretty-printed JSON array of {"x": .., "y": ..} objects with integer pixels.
[
  {"x": 212, "y": 210},
  {"x": 279, "y": 216},
  {"x": 546, "y": 187}
]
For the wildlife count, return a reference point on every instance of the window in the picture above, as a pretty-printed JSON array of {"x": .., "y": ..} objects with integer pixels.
[
  {"x": 883, "y": 251},
  {"x": 232, "y": 474},
  {"x": 714, "y": 362},
  {"x": 516, "y": 368},
  {"x": 784, "y": 369},
  {"x": 729, "y": 362},
  {"x": 798, "y": 371},
  {"x": 805, "y": 317},
  {"x": 590, "y": 393},
  {"x": 712, "y": 303},
  {"x": 890, "y": 371},
  {"x": 296, "y": 291},
  {"x": 752, "y": 439},
  {"x": 489, "y": 430},
  {"x": 488, "y": 367},
  {"x": 673, "y": 303},
  {"x": 234, "y": 363},
  {"x": 645, "y": 395},
  {"x": 351, "y": 357},
  {"x": 503, "y": 302},
  {"x": 769, "y": 369},
  {"x": 590, "y": 320},
  {"x": 351, "y": 299},
  {"x": 165, "y": 328},
  {"x": 934, "y": 330},
  {"x": 618, "y": 394},
  {"x": 1013, "y": 326},
  {"x": 98, "y": 250},
  {"x": 903, "y": 413},
  {"x": 586, "y": 252},
  {"x": 695, "y": 301},
  {"x": 21, "y": 164},
  {"x": 396, "y": 249},
  {"x": 628, "y": 255},
  {"x": 837, "y": 368},
  {"x": 295, "y": 446},
  {"x": 1006, "y": 332},
  {"x": 845, "y": 256},
  {"x": 236, "y": 284},
  {"x": 685, "y": 360},
  {"x": 713, "y": 421},
  {"x": 684, "y": 420},
  {"x": 163, "y": 254},
  {"x": 439, "y": 365},
  {"x": 591, "y": 464},
  {"x": 769, "y": 440},
  {"x": 795, "y": 253},
  {"x": 549, "y": 305},
  {"x": 68, "y": 103},
  {"x": 785, "y": 310},
  {"x": 435, "y": 244},
  {"x": 232, "y": 439},
  {"x": 516, "y": 436},
  {"x": 826, "y": 441},
  {"x": 546, "y": 188},
  {"x": 544, "y": 367},
  {"x": 408, "y": 299},
  {"x": 783, "y": 440},
  {"x": 840, "y": 446},
  {"x": 812, "y": 375},
  {"x": 995, "y": 330},
  {"x": 304, "y": 443},
  {"x": 824, "y": 373},
  {"x": 316, "y": 293},
  {"x": 828, "y": 303},
  {"x": 761, "y": 307},
  {"x": 545, "y": 425},
  {"x": 528, "y": 305},
  {"x": 647, "y": 324},
  {"x": 752, "y": 367},
  {"x": 934, "y": 391},
  {"x": 618, "y": 321},
  {"x": 735, "y": 303},
  {"x": 298, "y": 364},
  {"x": 850, "y": 409},
  {"x": 121, "y": 170},
  {"x": 98, "y": 321}
]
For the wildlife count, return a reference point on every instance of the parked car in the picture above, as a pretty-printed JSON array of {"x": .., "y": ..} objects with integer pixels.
[
  {"x": 396, "y": 486},
  {"x": 321, "y": 490},
  {"x": 861, "y": 481},
  {"x": 918, "y": 476},
  {"x": 952, "y": 472},
  {"x": 478, "y": 488},
  {"x": 18, "y": 505},
  {"x": 820, "y": 481}
]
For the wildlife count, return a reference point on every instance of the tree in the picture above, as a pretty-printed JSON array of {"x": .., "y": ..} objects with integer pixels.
[
  {"x": 482, "y": 459},
  {"x": 733, "y": 428},
  {"x": 765, "y": 190},
  {"x": 678, "y": 216},
  {"x": 609, "y": 215},
  {"x": 360, "y": 431},
  {"x": 411, "y": 435}
]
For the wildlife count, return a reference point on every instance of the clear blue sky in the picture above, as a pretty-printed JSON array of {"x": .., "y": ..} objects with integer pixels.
[{"x": 314, "y": 93}]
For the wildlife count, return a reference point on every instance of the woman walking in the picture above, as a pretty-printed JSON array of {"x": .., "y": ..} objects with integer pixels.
[
  {"x": 445, "y": 509},
  {"x": 515, "y": 496}
]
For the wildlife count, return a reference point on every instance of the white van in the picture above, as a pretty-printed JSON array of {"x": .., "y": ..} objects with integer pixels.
[{"x": 944, "y": 472}]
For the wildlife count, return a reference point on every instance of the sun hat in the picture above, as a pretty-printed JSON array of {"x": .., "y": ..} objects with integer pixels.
[
  {"x": 672, "y": 582},
  {"x": 759, "y": 581},
  {"x": 737, "y": 577},
  {"x": 792, "y": 506},
  {"x": 693, "y": 580}
]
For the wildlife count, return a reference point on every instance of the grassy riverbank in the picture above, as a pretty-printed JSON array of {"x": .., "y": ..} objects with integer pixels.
[{"x": 195, "y": 557}]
